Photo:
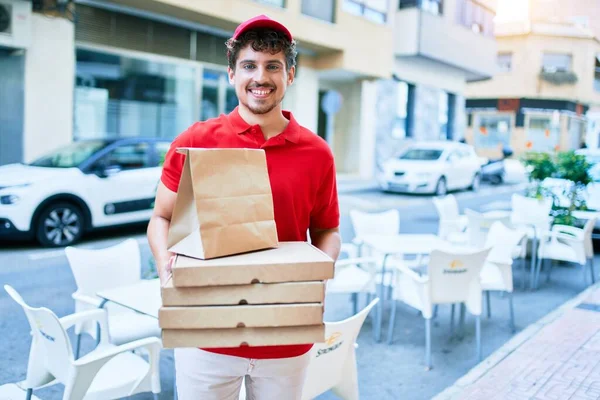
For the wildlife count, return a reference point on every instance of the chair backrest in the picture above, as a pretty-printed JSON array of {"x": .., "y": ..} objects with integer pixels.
[
  {"x": 532, "y": 211},
  {"x": 479, "y": 225},
  {"x": 502, "y": 240},
  {"x": 99, "y": 269},
  {"x": 50, "y": 341},
  {"x": 588, "y": 230},
  {"x": 328, "y": 360},
  {"x": 447, "y": 207},
  {"x": 455, "y": 278},
  {"x": 380, "y": 223}
]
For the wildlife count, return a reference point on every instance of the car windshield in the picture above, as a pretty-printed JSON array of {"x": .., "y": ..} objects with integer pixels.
[
  {"x": 70, "y": 156},
  {"x": 421, "y": 154}
]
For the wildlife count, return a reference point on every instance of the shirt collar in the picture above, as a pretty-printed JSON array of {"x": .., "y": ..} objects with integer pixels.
[{"x": 291, "y": 131}]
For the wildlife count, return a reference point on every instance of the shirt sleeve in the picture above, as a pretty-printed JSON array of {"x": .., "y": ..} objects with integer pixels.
[
  {"x": 326, "y": 213},
  {"x": 173, "y": 164}
]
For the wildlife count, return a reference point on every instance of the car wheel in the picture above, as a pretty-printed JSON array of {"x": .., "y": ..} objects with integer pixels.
[
  {"x": 476, "y": 183},
  {"x": 59, "y": 225},
  {"x": 496, "y": 179},
  {"x": 441, "y": 188}
]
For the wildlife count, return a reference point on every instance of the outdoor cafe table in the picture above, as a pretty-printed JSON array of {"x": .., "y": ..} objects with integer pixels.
[{"x": 404, "y": 244}]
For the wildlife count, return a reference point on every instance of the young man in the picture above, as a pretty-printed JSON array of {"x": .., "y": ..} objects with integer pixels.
[{"x": 262, "y": 59}]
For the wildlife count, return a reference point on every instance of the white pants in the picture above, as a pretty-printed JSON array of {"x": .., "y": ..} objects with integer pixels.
[{"x": 209, "y": 376}]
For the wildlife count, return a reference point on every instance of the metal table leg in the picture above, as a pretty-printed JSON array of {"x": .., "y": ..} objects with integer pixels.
[{"x": 381, "y": 301}]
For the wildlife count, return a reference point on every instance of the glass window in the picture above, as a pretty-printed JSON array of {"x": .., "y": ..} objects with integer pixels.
[
  {"x": 129, "y": 156},
  {"x": 400, "y": 123},
  {"x": 218, "y": 96},
  {"x": 421, "y": 154},
  {"x": 409, "y": 3},
  {"x": 476, "y": 17},
  {"x": 274, "y": 3},
  {"x": 504, "y": 61},
  {"x": 70, "y": 156},
  {"x": 320, "y": 9},
  {"x": 555, "y": 62},
  {"x": 491, "y": 131},
  {"x": 543, "y": 133},
  {"x": 443, "y": 114},
  {"x": 373, "y": 10},
  {"x": 597, "y": 73},
  {"x": 119, "y": 96},
  {"x": 435, "y": 7}
]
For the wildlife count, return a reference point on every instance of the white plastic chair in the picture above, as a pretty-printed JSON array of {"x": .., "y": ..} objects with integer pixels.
[
  {"x": 532, "y": 216},
  {"x": 354, "y": 276},
  {"x": 570, "y": 244},
  {"x": 452, "y": 224},
  {"x": 452, "y": 278},
  {"x": 333, "y": 363},
  {"x": 107, "y": 372},
  {"x": 373, "y": 223},
  {"x": 496, "y": 274},
  {"x": 100, "y": 269},
  {"x": 479, "y": 224}
]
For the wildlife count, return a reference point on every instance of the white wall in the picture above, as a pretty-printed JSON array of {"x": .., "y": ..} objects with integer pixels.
[
  {"x": 368, "y": 124},
  {"x": 49, "y": 85},
  {"x": 302, "y": 98}
]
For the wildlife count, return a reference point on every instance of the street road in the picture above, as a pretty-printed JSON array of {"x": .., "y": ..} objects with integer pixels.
[{"x": 43, "y": 278}]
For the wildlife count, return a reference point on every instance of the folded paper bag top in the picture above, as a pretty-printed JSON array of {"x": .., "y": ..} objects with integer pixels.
[{"x": 224, "y": 204}]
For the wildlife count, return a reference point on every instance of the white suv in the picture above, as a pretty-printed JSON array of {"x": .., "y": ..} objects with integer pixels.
[{"x": 85, "y": 185}]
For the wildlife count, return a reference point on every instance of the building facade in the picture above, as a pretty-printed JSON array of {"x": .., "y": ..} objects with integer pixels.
[
  {"x": 154, "y": 67},
  {"x": 434, "y": 43},
  {"x": 547, "y": 88}
]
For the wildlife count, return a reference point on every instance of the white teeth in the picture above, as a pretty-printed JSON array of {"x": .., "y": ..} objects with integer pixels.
[{"x": 261, "y": 92}]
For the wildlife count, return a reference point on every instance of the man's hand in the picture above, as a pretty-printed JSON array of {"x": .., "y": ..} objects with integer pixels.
[{"x": 165, "y": 273}]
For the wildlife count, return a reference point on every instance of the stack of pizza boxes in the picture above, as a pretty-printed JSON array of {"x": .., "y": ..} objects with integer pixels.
[{"x": 233, "y": 284}]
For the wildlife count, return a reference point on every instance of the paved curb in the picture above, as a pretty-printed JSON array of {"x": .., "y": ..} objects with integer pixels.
[{"x": 454, "y": 391}]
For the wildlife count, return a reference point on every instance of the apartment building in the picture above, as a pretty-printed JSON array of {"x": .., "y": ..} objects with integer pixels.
[
  {"x": 548, "y": 85},
  {"x": 153, "y": 67},
  {"x": 439, "y": 46}
]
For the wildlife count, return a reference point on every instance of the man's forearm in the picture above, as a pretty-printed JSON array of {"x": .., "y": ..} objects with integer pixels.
[
  {"x": 158, "y": 230},
  {"x": 328, "y": 241}
]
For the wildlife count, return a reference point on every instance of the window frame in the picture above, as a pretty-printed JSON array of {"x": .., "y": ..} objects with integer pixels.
[{"x": 364, "y": 8}]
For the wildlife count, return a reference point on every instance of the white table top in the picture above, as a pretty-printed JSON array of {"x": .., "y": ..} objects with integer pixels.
[{"x": 143, "y": 296}]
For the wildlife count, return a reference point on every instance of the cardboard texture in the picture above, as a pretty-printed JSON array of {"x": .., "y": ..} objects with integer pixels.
[
  {"x": 258, "y": 293},
  {"x": 211, "y": 338},
  {"x": 209, "y": 317},
  {"x": 290, "y": 262},
  {"x": 224, "y": 204}
]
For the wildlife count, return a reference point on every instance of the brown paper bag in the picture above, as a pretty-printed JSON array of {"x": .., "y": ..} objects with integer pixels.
[{"x": 224, "y": 204}]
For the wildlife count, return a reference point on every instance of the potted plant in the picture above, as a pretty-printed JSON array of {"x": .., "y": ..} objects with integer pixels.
[
  {"x": 539, "y": 167},
  {"x": 574, "y": 168}
]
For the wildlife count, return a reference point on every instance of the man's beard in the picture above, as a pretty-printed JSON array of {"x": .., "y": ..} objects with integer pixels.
[{"x": 264, "y": 108}]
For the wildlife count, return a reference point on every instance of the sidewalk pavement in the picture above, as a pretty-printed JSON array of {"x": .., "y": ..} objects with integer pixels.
[{"x": 556, "y": 358}]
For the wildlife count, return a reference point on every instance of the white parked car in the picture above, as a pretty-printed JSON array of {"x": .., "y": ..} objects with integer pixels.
[
  {"x": 432, "y": 167},
  {"x": 85, "y": 185}
]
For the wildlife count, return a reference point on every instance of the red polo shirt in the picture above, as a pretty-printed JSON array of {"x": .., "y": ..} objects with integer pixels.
[{"x": 302, "y": 176}]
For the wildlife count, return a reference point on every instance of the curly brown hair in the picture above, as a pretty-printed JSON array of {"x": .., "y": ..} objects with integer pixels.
[{"x": 263, "y": 40}]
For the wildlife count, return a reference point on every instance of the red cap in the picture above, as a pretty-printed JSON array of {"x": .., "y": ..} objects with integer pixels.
[{"x": 261, "y": 21}]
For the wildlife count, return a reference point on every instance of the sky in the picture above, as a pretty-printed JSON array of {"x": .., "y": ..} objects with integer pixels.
[{"x": 512, "y": 10}]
